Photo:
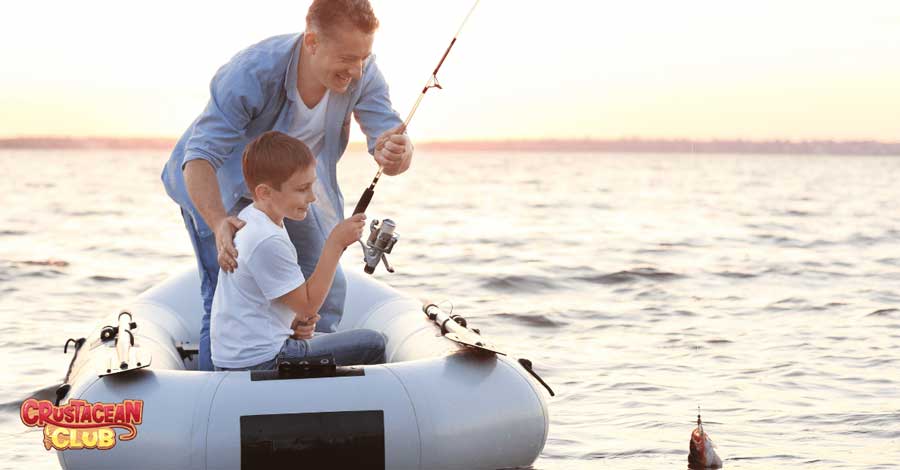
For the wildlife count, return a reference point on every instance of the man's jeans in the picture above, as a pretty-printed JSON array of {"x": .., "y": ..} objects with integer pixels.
[
  {"x": 353, "y": 347},
  {"x": 309, "y": 247}
]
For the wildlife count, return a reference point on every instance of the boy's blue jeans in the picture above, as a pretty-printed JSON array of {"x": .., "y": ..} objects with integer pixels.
[
  {"x": 208, "y": 266},
  {"x": 352, "y": 347}
]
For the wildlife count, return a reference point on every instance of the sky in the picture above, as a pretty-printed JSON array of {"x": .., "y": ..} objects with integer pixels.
[{"x": 525, "y": 69}]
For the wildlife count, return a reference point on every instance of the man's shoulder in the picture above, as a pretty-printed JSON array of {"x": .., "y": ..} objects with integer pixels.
[
  {"x": 267, "y": 59},
  {"x": 276, "y": 46}
]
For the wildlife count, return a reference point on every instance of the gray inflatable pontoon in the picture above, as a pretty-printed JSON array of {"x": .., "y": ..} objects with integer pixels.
[{"x": 436, "y": 404}]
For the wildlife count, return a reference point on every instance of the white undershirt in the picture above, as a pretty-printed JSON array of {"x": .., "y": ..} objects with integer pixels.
[
  {"x": 309, "y": 127},
  {"x": 309, "y": 124}
]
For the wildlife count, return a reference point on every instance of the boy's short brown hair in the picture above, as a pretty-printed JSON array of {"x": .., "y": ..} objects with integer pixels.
[
  {"x": 325, "y": 15},
  {"x": 272, "y": 158}
]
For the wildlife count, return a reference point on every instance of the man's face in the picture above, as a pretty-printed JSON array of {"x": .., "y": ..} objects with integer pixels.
[
  {"x": 296, "y": 194},
  {"x": 338, "y": 56}
]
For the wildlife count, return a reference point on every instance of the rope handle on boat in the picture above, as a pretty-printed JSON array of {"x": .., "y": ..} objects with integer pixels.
[
  {"x": 63, "y": 389},
  {"x": 526, "y": 364},
  {"x": 61, "y": 392},
  {"x": 78, "y": 343}
]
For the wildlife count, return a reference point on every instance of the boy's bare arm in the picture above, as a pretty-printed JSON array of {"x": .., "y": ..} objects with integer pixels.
[{"x": 307, "y": 299}]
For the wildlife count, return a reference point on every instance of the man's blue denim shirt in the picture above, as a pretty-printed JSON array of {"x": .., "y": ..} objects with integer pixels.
[{"x": 255, "y": 92}]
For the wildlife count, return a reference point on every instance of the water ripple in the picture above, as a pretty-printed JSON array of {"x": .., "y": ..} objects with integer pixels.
[
  {"x": 631, "y": 275},
  {"x": 520, "y": 284},
  {"x": 885, "y": 312},
  {"x": 540, "y": 321},
  {"x": 107, "y": 279}
]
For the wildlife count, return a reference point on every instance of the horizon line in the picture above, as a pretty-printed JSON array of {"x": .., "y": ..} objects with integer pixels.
[{"x": 585, "y": 144}]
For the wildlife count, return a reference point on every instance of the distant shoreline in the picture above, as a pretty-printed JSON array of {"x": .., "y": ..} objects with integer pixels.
[{"x": 631, "y": 145}]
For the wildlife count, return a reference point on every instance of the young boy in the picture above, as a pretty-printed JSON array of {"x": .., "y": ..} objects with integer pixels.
[{"x": 265, "y": 310}]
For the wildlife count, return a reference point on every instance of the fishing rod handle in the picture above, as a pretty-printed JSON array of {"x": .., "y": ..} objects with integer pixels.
[{"x": 364, "y": 201}]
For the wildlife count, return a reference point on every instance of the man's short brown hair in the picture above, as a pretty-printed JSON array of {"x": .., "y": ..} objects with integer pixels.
[
  {"x": 326, "y": 15},
  {"x": 272, "y": 158}
]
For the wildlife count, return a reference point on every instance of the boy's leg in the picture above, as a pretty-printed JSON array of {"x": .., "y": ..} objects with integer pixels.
[
  {"x": 208, "y": 267},
  {"x": 309, "y": 241},
  {"x": 353, "y": 347},
  {"x": 267, "y": 365}
]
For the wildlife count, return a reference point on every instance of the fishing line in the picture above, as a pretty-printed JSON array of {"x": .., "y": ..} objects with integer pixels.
[{"x": 432, "y": 82}]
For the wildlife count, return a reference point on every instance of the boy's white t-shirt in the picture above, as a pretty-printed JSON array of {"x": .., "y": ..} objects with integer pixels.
[{"x": 248, "y": 326}]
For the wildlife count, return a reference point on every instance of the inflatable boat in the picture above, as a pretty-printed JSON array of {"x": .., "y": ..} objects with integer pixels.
[{"x": 445, "y": 399}]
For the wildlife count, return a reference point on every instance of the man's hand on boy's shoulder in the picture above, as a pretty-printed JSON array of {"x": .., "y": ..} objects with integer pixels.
[{"x": 227, "y": 253}]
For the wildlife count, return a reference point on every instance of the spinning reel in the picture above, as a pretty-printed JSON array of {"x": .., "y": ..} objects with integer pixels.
[{"x": 381, "y": 241}]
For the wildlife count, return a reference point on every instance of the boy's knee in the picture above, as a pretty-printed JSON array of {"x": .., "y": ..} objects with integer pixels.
[
  {"x": 375, "y": 339},
  {"x": 376, "y": 342}
]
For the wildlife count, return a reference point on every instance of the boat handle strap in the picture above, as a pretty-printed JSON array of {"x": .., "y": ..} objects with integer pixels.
[{"x": 526, "y": 364}]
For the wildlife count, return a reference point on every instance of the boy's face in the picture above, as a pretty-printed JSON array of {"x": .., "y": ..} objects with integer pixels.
[{"x": 296, "y": 194}]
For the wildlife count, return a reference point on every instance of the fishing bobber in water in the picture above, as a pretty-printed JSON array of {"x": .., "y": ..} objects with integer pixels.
[{"x": 703, "y": 451}]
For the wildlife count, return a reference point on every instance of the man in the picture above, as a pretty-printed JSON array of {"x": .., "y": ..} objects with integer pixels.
[{"x": 307, "y": 86}]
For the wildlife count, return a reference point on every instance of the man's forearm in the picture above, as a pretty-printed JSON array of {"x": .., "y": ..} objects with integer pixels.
[{"x": 203, "y": 189}]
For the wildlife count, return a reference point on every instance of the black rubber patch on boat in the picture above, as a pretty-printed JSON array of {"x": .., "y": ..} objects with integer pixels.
[
  {"x": 340, "y": 439},
  {"x": 349, "y": 371}
]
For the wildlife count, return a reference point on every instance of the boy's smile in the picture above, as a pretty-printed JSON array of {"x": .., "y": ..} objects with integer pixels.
[{"x": 294, "y": 197}]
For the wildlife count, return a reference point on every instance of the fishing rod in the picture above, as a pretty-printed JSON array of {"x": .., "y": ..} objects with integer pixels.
[{"x": 432, "y": 82}]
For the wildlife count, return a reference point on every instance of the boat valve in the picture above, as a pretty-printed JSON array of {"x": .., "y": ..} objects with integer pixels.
[{"x": 381, "y": 241}]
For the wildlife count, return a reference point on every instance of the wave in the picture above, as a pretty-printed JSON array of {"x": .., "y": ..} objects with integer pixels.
[
  {"x": 719, "y": 341},
  {"x": 93, "y": 213},
  {"x": 631, "y": 275},
  {"x": 514, "y": 283},
  {"x": 543, "y": 321},
  {"x": 797, "y": 213},
  {"x": 47, "y": 262},
  {"x": 44, "y": 273},
  {"x": 790, "y": 303},
  {"x": 885, "y": 312},
  {"x": 46, "y": 393},
  {"x": 735, "y": 275},
  {"x": 107, "y": 279}
]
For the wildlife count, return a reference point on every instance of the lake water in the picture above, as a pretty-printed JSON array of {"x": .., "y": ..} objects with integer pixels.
[{"x": 763, "y": 289}]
